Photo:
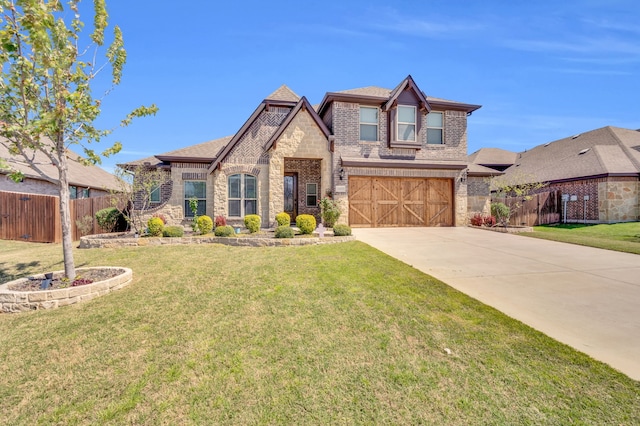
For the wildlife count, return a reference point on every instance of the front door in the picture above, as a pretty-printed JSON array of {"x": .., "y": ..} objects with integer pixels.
[{"x": 291, "y": 194}]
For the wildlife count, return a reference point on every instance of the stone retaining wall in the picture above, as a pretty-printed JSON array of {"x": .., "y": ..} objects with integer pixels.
[
  {"x": 94, "y": 241},
  {"x": 20, "y": 301}
]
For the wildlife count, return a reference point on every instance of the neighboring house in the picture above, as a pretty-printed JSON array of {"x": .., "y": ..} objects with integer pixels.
[
  {"x": 493, "y": 158},
  {"x": 84, "y": 181},
  {"x": 598, "y": 171},
  {"x": 388, "y": 157}
]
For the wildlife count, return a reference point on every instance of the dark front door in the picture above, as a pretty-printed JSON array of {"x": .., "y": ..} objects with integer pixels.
[{"x": 291, "y": 194}]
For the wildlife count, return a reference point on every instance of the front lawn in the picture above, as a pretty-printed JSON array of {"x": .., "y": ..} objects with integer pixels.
[
  {"x": 330, "y": 334},
  {"x": 623, "y": 237}
]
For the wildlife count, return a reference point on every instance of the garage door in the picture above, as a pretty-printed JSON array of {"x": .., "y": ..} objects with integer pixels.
[{"x": 385, "y": 201}]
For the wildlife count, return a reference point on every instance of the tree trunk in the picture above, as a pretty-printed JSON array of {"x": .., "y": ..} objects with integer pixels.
[{"x": 65, "y": 219}]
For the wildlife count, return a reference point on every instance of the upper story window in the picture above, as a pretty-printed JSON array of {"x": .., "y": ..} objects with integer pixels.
[
  {"x": 368, "y": 123},
  {"x": 243, "y": 195},
  {"x": 406, "y": 123},
  {"x": 194, "y": 189},
  {"x": 435, "y": 128}
]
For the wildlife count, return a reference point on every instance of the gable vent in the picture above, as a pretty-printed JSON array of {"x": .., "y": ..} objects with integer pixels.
[{"x": 584, "y": 151}]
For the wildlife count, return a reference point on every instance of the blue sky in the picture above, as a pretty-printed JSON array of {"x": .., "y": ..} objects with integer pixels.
[{"x": 542, "y": 70}]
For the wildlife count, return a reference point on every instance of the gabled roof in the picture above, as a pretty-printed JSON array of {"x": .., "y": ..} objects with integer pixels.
[
  {"x": 205, "y": 152},
  {"x": 407, "y": 84},
  {"x": 303, "y": 103},
  {"x": 283, "y": 93},
  {"x": 482, "y": 171},
  {"x": 493, "y": 157},
  {"x": 374, "y": 95},
  {"x": 79, "y": 174},
  {"x": 608, "y": 151}
]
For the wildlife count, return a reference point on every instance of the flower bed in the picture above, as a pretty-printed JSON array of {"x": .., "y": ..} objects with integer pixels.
[{"x": 20, "y": 295}]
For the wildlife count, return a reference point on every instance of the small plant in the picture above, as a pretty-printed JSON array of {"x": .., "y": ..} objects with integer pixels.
[
  {"x": 477, "y": 220},
  {"x": 204, "y": 224},
  {"x": 85, "y": 225},
  {"x": 306, "y": 223},
  {"x": 224, "y": 231},
  {"x": 330, "y": 212},
  {"x": 155, "y": 226},
  {"x": 193, "y": 206},
  {"x": 108, "y": 218},
  {"x": 252, "y": 222},
  {"x": 489, "y": 221},
  {"x": 284, "y": 231},
  {"x": 283, "y": 218},
  {"x": 341, "y": 230},
  {"x": 161, "y": 217},
  {"x": 220, "y": 221},
  {"x": 81, "y": 281},
  {"x": 501, "y": 212},
  {"x": 173, "y": 231}
]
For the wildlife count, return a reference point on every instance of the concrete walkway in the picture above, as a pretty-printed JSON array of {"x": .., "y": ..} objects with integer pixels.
[{"x": 585, "y": 297}]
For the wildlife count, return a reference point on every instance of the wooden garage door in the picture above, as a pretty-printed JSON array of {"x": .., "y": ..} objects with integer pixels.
[{"x": 386, "y": 201}]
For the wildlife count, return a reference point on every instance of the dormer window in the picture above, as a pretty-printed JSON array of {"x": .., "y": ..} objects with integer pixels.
[
  {"x": 368, "y": 123},
  {"x": 435, "y": 128},
  {"x": 406, "y": 123}
]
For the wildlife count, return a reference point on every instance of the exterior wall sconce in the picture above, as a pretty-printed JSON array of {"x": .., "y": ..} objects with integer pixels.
[{"x": 341, "y": 173}]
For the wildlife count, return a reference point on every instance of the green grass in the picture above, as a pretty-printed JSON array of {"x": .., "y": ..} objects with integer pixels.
[
  {"x": 331, "y": 334},
  {"x": 623, "y": 237}
]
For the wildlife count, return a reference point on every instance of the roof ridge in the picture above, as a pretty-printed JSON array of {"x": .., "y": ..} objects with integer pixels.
[{"x": 283, "y": 93}]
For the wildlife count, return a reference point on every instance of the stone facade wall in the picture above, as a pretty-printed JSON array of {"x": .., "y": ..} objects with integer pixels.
[
  {"x": 346, "y": 128},
  {"x": 619, "y": 200}
]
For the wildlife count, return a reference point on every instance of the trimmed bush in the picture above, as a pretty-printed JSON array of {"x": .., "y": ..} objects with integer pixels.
[
  {"x": 283, "y": 218},
  {"x": 284, "y": 231},
  {"x": 306, "y": 223},
  {"x": 489, "y": 221},
  {"x": 108, "y": 218},
  {"x": 220, "y": 221},
  {"x": 341, "y": 230},
  {"x": 252, "y": 222},
  {"x": 224, "y": 231},
  {"x": 173, "y": 231},
  {"x": 155, "y": 225},
  {"x": 205, "y": 224},
  {"x": 477, "y": 220}
]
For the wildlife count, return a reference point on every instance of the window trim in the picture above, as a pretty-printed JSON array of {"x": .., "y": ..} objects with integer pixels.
[
  {"x": 414, "y": 124},
  {"x": 437, "y": 128},
  {"x": 364, "y": 123},
  {"x": 314, "y": 194},
  {"x": 187, "y": 210},
  {"x": 243, "y": 199}
]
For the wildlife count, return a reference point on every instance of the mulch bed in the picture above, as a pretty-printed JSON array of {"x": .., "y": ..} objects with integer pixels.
[{"x": 86, "y": 276}]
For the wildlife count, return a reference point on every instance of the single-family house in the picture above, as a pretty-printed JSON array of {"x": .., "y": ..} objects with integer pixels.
[
  {"x": 597, "y": 173},
  {"x": 389, "y": 157},
  {"x": 84, "y": 180}
]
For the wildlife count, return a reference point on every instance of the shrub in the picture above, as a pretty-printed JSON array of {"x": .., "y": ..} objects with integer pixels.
[
  {"x": 224, "y": 231},
  {"x": 155, "y": 226},
  {"x": 252, "y": 222},
  {"x": 85, "y": 225},
  {"x": 330, "y": 212},
  {"x": 489, "y": 221},
  {"x": 220, "y": 221},
  {"x": 477, "y": 220},
  {"x": 306, "y": 223},
  {"x": 204, "y": 224},
  {"x": 501, "y": 212},
  {"x": 161, "y": 217},
  {"x": 284, "y": 231},
  {"x": 341, "y": 230},
  {"x": 283, "y": 218},
  {"x": 108, "y": 218},
  {"x": 173, "y": 231}
]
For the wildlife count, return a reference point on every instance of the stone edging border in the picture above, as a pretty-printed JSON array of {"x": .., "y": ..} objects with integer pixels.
[
  {"x": 508, "y": 230},
  {"x": 21, "y": 301},
  {"x": 94, "y": 241}
]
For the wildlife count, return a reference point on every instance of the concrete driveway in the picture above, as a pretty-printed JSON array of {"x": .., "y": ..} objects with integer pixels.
[{"x": 585, "y": 297}]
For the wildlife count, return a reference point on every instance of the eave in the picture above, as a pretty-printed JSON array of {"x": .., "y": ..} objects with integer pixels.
[{"x": 402, "y": 164}]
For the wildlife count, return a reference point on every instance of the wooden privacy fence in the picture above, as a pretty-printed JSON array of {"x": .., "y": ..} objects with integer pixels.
[
  {"x": 36, "y": 218},
  {"x": 542, "y": 209}
]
